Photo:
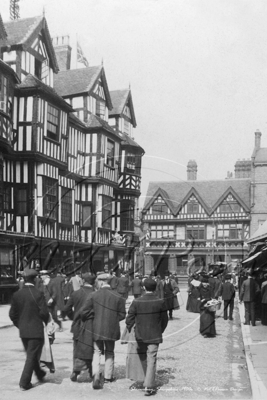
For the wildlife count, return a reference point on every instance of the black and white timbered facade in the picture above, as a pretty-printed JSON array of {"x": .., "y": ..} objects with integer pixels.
[{"x": 67, "y": 176}]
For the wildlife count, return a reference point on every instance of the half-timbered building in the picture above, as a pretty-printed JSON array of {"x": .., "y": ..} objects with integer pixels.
[
  {"x": 60, "y": 161},
  {"x": 201, "y": 222}
]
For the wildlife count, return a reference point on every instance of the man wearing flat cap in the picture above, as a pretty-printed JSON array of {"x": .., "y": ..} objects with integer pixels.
[
  {"x": 148, "y": 314},
  {"x": 28, "y": 312},
  {"x": 227, "y": 291},
  {"x": 82, "y": 331},
  {"x": 109, "y": 309}
]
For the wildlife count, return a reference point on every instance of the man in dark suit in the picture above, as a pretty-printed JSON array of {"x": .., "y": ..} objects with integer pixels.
[
  {"x": 149, "y": 315},
  {"x": 136, "y": 285},
  {"x": 28, "y": 312},
  {"x": 248, "y": 293},
  {"x": 114, "y": 280},
  {"x": 123, "y": 286},
  {"x": 82, "y": 332},
  {"x": 227, "y": 291},
  {"x": 109, "y": 310}
]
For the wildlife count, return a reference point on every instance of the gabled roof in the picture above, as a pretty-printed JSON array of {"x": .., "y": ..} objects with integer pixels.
[
  {"x": 164, "y": 195},
  {"x": 209, "y": 191},
  {"x": 119, "y": 99},
  {"x": 78, "y": 81},
  {"x": 32, "y": 83},
  {"x": 193, "y": 192},
  {"x": 128, "y": 141},
  {"x": 22, "y": 32},
  {"x": 231, "y": 191}
]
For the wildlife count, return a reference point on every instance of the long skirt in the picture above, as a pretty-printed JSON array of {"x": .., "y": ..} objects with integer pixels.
[
  {"x": 47, "y": 356},
  {"x": 207, "y": 323},
  {"x": 135, "y": 361},
  {"x": 193, "y": 304},
  {"x": 264, "y": 314}
]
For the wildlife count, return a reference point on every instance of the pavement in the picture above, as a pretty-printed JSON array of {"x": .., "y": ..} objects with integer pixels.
[{"x": 255, "y": 345}]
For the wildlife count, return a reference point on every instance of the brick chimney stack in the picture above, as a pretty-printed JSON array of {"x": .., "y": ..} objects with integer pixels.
[
  {"x": 63, "y": 52},
  {"x": 257, "y": 139},
  {"x": 192, "y": 170}
]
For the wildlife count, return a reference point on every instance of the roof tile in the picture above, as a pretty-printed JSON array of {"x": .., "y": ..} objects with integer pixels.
[{"x": 209, "y": 191}]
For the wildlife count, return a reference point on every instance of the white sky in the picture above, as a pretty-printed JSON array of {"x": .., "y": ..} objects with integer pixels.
[{"x": 197, "y": 70}]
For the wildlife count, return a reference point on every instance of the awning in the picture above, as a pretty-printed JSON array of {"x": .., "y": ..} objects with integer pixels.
[{"x": 252, "y": 257}]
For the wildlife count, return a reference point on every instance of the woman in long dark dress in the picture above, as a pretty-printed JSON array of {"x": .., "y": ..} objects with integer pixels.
[
  {"x": 193, "y": 302},
  {"x": 207, "y": 318}
]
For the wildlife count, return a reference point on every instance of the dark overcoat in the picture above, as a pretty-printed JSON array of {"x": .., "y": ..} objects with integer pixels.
[
  {"x": 136, "y": 285},
  {"x": 82, "y": 330},
  {"x": 109, "y": 310},
  {"x": 149, "y": 315},
  {"x": 123, "y": 285},
  {"x": 249, "y": 290},
  {"x": 28, "y": 311}
]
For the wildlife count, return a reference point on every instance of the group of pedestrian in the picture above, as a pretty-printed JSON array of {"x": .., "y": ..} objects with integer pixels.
[
  {"x": 96, "y": 310},
  {"x": 203, "y": 294}
]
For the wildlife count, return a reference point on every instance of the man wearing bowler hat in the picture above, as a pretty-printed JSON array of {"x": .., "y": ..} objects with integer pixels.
[
  {"x": 109, "y": 310},
  {"x": 28, "y": 312},
  {"x": 149, "y": 315}
]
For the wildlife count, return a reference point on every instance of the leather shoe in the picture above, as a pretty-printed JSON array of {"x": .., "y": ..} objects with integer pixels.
[
  {"x": 96, "y": 383},
  {"x": 74, "y": 376},
  {"x": 27, "y": 387},
  {"x": 109, "y": 380},
  {"x": 41, "y": 376},
  {"x": 150, "y": 392}
]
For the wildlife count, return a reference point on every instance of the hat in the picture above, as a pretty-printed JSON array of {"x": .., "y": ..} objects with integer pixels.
[
  {"x": 30, "y": 273},
  {"x": 150, "y": 284},
  {"x": 205, "y": 279},
  {"x": 104, "y": 277},
  {"x": 88, "y": 278},
  {"x": 167, "y": 273},
  {"x": 228, "y": 276}
]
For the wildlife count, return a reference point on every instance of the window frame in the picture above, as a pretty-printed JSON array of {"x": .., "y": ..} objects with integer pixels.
[
  {"x": 51, "y": 211},
  {"x": 66, "y": 205},
  {"x": 87, "y": 223},
  {"x": 195, "y": 231},
  {"x": 110, "y": 159},
  {"x": 52, "y": 123},
  {"x": 106, "y": 212},
  {"x": 157, "y": 231},
  {"x": 21, "y": 205},
  {"x": 4, "y": 91},
  {"x": 159, "y": 209},
  {"x": 235, "y": 231}
]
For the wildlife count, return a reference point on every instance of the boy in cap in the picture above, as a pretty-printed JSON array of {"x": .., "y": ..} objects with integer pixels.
[
  {"x": 149, "y": 315},
  {"x": 28, "y": 312},
  {"x": 109, "y": 310}
]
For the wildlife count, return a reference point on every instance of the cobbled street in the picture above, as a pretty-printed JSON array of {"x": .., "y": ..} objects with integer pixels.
[{"x": 189, "y": 366}]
